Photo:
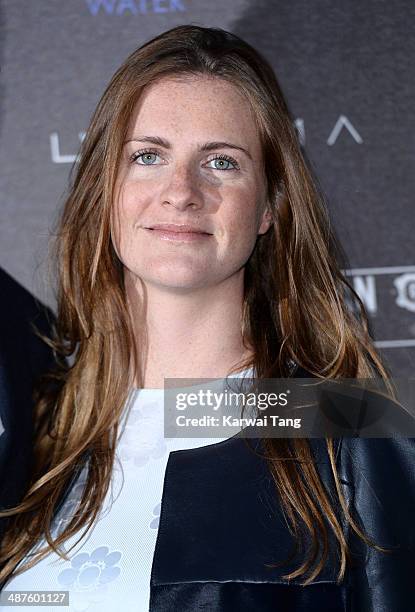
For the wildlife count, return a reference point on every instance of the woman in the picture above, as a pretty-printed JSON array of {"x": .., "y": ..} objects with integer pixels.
[{"x": 193, "y": 132}]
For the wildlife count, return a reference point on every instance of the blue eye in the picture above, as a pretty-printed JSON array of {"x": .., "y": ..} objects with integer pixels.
[
  {"x": 224, "y": 160},
  {"x": 145, "y": 155}
]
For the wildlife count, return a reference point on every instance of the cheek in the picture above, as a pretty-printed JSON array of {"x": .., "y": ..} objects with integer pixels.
[
  {"x": 130, "y": 205},
  {"x": 124, "y": 216},
  {"x": 241, "y": 215}
]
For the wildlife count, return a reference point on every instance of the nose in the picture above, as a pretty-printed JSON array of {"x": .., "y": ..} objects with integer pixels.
[{"x": 181, "y": 189}]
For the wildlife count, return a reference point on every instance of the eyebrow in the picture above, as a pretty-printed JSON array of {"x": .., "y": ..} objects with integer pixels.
[{"x": 207, "y": 146}]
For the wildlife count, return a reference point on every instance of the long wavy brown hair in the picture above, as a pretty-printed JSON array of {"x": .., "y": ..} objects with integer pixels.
[{"x": 297, "y": 307}]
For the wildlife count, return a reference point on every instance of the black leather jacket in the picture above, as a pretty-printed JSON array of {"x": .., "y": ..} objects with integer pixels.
[{"x": 221, "y": 527}]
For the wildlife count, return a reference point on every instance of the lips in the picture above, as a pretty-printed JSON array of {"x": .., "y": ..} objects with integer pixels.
[
  {"x": 179, "y": 233},
  {"x": 178, "y": 229}
]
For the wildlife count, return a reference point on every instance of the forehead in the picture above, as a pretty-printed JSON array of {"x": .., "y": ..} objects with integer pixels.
[{"x": 193, "y": 107}]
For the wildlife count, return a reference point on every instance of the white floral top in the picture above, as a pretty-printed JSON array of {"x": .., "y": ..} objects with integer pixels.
[{"x": 110, "y": 569}]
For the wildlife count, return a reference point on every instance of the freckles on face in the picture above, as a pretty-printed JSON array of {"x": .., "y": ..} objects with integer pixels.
[{"x": 192, "y": 156}]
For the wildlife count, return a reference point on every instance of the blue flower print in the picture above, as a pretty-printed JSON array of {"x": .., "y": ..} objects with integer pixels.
[
  {"x": 88, "y": 577},
  {"x": 91, "y": 571},
  {"x": 155, "y": 522}
]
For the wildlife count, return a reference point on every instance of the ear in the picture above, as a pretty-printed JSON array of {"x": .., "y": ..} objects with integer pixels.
[{"x": 266, "y": 221}]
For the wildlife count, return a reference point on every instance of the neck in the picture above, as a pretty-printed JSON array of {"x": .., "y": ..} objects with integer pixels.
[{"x": 193, "y": 334}]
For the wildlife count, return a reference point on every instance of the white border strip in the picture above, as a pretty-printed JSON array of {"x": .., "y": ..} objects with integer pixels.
[
  {"x": 386, "y": 270},
  {"x": 395, "y": 343}
]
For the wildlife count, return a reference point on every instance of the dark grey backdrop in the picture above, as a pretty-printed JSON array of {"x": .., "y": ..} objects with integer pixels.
[{"x": 346, "y": 69}]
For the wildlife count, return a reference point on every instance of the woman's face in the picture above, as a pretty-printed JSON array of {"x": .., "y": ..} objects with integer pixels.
[{"x": 192, "y": 157}]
